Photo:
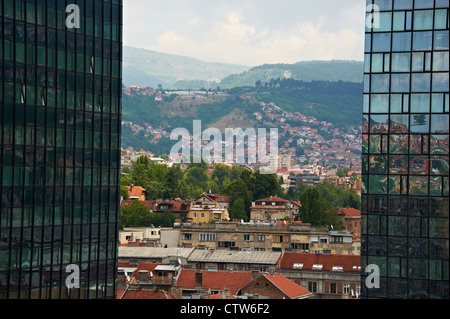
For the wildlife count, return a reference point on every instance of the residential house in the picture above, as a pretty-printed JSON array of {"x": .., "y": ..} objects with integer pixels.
[
  {"x": 205, "y": 210},
  {"x": 328, "y": 276},
  {"x": 274, "y": 286},
  {"x": 136, "y": 193},
  {"x": 272, "y": 209},
  {"x": 351, "y": 219}
]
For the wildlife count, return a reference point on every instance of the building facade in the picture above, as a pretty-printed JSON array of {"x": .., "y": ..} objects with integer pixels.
[
  {"x": 60, "y": 124},
  {"x": 405, "y": 212}
]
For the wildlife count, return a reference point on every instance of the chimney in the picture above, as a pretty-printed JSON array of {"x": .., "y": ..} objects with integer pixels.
[
  {"x": 176, "y": 292},
  {"x": 121, "y": 279},
  {"x": 255, "y": 274},
  {"x": 198, "y": 280},
  {"x": 225, "y": 294}
]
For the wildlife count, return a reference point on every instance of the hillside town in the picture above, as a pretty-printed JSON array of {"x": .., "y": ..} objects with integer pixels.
[
  {"x": 207, "y": 255},
  {"x": 341, "y": 148}
]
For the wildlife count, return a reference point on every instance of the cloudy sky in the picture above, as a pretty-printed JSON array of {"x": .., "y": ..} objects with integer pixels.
[{"x": 248, "y": 32}]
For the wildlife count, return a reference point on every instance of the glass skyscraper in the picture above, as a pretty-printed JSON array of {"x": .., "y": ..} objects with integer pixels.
[
  {"x": 60, "y": 123},
  {"x": 405, "y": 208}
]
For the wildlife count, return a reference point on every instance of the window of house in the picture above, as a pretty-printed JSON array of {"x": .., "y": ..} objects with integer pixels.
[
  {"x": 207, "y": 237},
  {"x": 333, "y": 289},
  {"x": 312, "y": 286},
  {"x": 187, "y": 236},
  {"x": 346, "y": 289},
  {"x": 246, "y": 237}
]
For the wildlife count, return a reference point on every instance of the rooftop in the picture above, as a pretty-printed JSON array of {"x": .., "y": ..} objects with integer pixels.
[
  {"x": 256, "y": 257},
  {"x": 153, "y": 252}
]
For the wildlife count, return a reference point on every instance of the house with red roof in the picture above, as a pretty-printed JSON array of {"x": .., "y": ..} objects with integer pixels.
[
  {"x": 328, "y": 276},
  {"x": 136, "y": 193},
  {"x": 274, "y": 286},
  {"x": 351, "y": 218},
  {"x": 197, "y": 282}
]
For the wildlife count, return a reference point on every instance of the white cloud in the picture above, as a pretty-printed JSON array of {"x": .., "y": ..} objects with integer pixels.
[{"x": 239, "y": 34}]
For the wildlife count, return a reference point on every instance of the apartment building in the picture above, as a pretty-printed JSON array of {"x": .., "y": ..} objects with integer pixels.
[{"x": 292, "y": 236}]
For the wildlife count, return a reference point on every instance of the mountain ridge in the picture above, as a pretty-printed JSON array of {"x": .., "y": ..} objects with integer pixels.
[{"x": 153, "y": 68}]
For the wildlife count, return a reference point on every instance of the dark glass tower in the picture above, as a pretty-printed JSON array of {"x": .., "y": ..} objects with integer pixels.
[
  {"x": 405, "y": 149},
  {"x": 60, "y": 94}
]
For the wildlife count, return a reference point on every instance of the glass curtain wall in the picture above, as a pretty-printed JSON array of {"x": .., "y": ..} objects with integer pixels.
[
  {"x": 405, "y": 148},
  {"x": 60, "y": 94}
]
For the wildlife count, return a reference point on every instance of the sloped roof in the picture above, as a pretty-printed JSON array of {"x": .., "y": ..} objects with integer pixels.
[
  {"x": 153, "y": 252},
  {"x": 216, "y": 280},
  {"x": 256, "y": 257},
  {"x": 146, "y": 294},
  {"x": 349, "y": 212},
  {"x": 348, "y": 262},
  {"x": 135, "y": 191},
  {"x": 272, "y": 199},
  {"x": 288, "y": 287}
]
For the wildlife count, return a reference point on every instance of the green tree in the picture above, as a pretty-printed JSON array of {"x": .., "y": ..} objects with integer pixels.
[
  {"x": 165, "y": 219},
  {"x": 316, "y": 210},
  {"x": 238, "y": 210},
  {"x": 197, "y": 177},
  {"x": 343, "y": 172},
  {"x": 124, "y": 192},
  {"x": 134, "y": 215}
]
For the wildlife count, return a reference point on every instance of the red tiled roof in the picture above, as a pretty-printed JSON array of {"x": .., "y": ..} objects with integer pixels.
[
  {"x": 349, "y": 212},
  {"x": 135, "y": 191},
  {"x": 288, "y": 260},
  {"x": 217, "y": 296},
  {"x": 146, "y": 294},
  {"x": 272, "y": 199},
  {"x": 290, "y": 288},
  {"x": 215, "y": 279}
]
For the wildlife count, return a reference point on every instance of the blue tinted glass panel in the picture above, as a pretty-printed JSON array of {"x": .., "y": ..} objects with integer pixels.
[
  {"x": 421, "y": 82},
  {"x": 439, "y": 123},
  {"x": 441, "y": 40},
  {"x": 440, "y": 82},
  {"x": 441, "y": 61},
  {"x": 401, "y": 41},
  {"x": 400, "y": 83},
  {"x": 420, "y": 103},
  {"x": 381, "y": 42},
  {"x": 420, "y": 123},
  {"x": 423, "y": 20},
  {"x": 401, "y": 62},
  {"x": 380, "y": 83},
  {"x": 383, "y": 4},
  {"x": 440, "y": 19},
  {"x": 423, "y": 4},
  {"x": 403, "y": 4},
  {"x": 422, "y": 40}
]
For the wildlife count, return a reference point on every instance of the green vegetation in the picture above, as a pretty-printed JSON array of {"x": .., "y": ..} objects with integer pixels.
[
  {"x": 137, "y": 215},
  {"x": 349, "y": 71},
  {"x": 319, "y": 203}
]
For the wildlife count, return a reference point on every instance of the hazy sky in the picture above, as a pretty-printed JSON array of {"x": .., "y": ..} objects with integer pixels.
[{"x": 249, "y": 32}]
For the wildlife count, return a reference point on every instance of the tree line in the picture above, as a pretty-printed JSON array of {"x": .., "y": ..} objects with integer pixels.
[{"x": 319, "y": 203}]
